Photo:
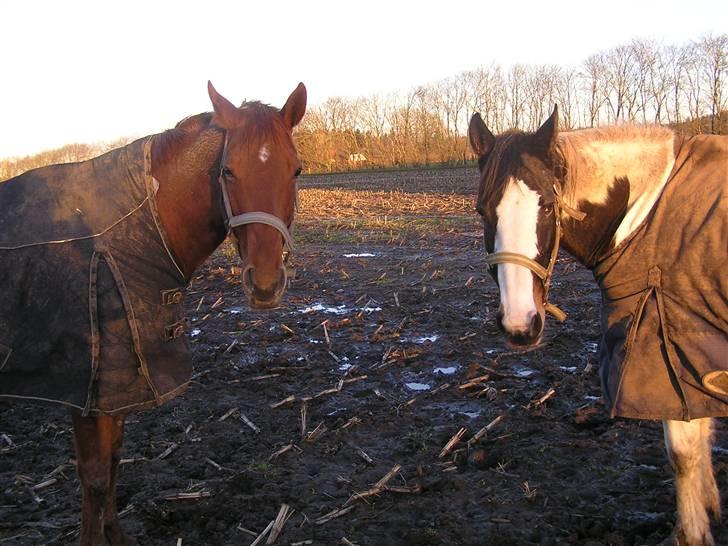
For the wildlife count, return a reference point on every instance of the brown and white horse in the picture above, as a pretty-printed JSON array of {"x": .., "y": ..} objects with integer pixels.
[{"x": 592, "y": 191}]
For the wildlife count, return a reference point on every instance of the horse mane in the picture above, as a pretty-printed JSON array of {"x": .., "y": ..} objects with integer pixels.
[
  {"x": 574, "y": 162},
  {"x": 258, "y": 123}
]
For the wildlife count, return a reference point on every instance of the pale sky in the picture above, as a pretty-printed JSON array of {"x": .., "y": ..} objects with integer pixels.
[{"x": 90, "y": 71}]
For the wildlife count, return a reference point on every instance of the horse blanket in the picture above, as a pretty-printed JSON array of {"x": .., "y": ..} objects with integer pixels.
[
  {"x": 91, "y": 295},
  {"x": 664, "y": 351}
]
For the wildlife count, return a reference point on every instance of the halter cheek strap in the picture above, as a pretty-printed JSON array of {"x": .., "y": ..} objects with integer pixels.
[{"x": 543, "y": 273}]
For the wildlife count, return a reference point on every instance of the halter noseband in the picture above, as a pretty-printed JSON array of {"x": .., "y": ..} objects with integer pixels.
[{"x": 543, "y": 273}]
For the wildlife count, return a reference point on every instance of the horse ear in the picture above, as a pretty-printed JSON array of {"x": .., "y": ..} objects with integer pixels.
[
  {"x": 225, "y": 110},
  {"x": 295, "y": 106},
  {"x": 481, "y": 139},
  {"x": 545, "y": 137}
]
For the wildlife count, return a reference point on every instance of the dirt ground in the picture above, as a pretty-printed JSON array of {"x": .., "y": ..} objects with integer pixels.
[{"x": 387, "y": 339}]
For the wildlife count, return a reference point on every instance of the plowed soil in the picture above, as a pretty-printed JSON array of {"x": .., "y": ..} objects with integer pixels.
[{"x": 386, "y": 341}]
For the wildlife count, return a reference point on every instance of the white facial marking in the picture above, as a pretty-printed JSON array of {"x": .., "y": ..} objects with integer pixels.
[
  {"x": 517, "y": 217},
  {"x": 264, "y": 153}
]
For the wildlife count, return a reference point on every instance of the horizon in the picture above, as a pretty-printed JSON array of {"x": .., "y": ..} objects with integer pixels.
[{"x": 70, "y": 78}]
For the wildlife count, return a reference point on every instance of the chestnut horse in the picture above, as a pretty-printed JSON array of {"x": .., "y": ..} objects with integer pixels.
[
  {"x": 231, "y": 171},
  {"x": 647, "y": 212}
]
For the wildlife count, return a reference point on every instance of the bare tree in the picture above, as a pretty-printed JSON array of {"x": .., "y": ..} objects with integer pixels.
[
  {"x": 714, "y": 67},
  {"x": 488, "y": 95},
  {"x": 595, "y": 80},
  {"x": 516, "y": 89}
]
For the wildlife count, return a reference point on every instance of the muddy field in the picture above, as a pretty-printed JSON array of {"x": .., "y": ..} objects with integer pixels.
[{"x": 386, "y": 344}]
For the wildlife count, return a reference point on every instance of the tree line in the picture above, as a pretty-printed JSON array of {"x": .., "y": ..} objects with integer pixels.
[{"x": 641, "y": 82}]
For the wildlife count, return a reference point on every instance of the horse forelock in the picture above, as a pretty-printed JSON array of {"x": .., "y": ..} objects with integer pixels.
[
  {"x": 261, "y": 124},
  {"x": 503, "y": 157}
]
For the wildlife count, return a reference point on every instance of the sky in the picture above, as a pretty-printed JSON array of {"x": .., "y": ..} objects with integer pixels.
[{"x": 95, "y": 71}]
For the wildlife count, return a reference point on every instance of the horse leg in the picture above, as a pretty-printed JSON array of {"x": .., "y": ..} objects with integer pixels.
[
  {"x": 689, "y": 447},
  {"x": 112, "y": 527},
  {"x": 97, "y": 439}
]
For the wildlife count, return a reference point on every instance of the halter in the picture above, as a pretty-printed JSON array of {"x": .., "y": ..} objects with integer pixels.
[
  {"x": 257, "y": 217},
  {"x": 543, "y": 273}
]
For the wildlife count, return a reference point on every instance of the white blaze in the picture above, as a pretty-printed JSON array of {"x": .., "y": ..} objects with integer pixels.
[
  {"x": 517, "y": 217},
  {"x": 264, "y": 153}
]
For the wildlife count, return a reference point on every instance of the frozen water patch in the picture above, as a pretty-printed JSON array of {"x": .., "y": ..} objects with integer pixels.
[
  {"x": 592, "y": 347},
  {"x": 235, "y": 310},
  {"x": 418, "y": 386},
  {"x": 570, "y": 369},
  {"x": 345, "y": 365},
  {"x": 471, "y": 414},
  {"x": 649, "y": 516},
  {"x": 196, "y": 332},
  {"x": 590, "y": 397},
  {"x": 523, "y": 371},
  {"x": 360, "y": 255},
  {"x": 338, "y": 310},
  {"x": 449, "y": 370},
  {"x": 419, "y": 340}
]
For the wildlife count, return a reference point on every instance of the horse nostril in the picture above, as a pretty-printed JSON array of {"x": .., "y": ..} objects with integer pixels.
[
  {"x": 499, "y": 319},
  {"x": 534, "y": 331}
]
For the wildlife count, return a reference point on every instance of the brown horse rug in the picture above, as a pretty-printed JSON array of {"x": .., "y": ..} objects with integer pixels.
[
  {"x": 664, "y": 354},
  {"x": 91, "y": 296}
]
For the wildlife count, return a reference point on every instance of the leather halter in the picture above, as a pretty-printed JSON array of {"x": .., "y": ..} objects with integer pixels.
[
  {"x": 257, "y": 217},
  {"x": 543, "y": 273}
]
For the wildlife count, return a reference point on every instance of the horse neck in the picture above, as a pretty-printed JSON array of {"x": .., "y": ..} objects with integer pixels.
[
  {"x": 615, "y": 176},
  {"x": 187, "y": 167}
]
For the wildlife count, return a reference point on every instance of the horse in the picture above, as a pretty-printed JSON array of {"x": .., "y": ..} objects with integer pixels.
[
  {"x": 647, "y": 211},
  {"x": 94, "y": 257}
]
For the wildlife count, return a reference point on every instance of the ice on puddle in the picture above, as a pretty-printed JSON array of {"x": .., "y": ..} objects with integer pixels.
[
  {"x": 570, "y": 369},
  {"x": 360, "y": 255},
  {"x": 449, "y": 370},
  {"x": 523, "y": 372},
  {"x": 419, "y": 340},
  {"x": 417, "y": 386},
  {"x": 196, "y": 332},
  {"x": 338, "y": 310}
]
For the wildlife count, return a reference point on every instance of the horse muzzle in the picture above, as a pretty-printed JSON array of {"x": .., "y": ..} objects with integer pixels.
[
  {"x": 264, "y": 297},
  {"x": 522, "y": 337}
]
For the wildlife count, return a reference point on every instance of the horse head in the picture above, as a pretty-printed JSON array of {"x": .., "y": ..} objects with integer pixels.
[
  {"x": 258, "y": 170},
  {"x": 519, "y": 204}
]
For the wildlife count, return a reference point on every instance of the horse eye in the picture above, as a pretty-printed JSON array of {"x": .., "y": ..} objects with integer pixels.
[
  {"x": 297, "y": 173},
  {"x": 548, "y": 209},
  {"x": 227, "y": 173}
]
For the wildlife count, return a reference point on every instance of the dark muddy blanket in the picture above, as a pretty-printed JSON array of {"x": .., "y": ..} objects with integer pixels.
[
  {"x": 665, "y": 297},
  {"x": 90, "y": 305}
]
